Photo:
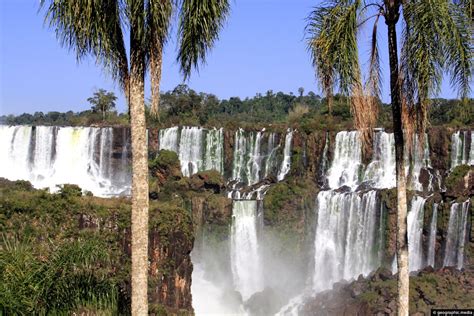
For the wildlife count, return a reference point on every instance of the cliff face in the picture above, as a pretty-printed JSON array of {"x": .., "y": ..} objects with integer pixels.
[
  {"x": 185, "y": 208},
  {"x": 377, "y": 294}
]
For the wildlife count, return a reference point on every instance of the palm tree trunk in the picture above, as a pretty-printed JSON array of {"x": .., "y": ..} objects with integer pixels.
[
  {"x": 402, "y": 240},
  {"x": 156, "y": 57},
  {"x": 139, "y": 179}
]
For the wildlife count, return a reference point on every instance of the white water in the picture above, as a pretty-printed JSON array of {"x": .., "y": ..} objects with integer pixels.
[
  {"x": 415, "y": 233},
  {"x": 198, "y": 149},
  {"x": 381, "y": 170},
  {"x": 190, "y": 150},
  {"x": 286, "y": 163},
  {"x": 272, "y": 148},
  {"x": 471, "y": 152},
  {"x": 462, "y": 152},
  {"x": 255, "y": 156},
  {"x": 347, "y": 163},
  {"x": 345, "y": 237},
  {"x": 432, "y": 240},
  {"x": 245, "y": 256},
  {"x": 456, "y": 237},
  {"x": 214, "y": 153},
  {"x": 168, "y": 139},
  {"x": 53, "y": 156}
]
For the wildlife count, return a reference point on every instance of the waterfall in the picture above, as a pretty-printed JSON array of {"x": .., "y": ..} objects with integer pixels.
[
  {"x": 286, "y": 163},
  {"x": 254, "y": 162},
  {"x": 432, "y": 239},
  {"x": 14, "y": 157},
  {"x": 415, "y": 233},
  {"x": 347, "y": 162},
  {"x": 255, "y": 156},
  {"x": 49, "y": 156},
  {"x": 168, "y": 139},
  {"x": 471, "y": 152},
  {"x": 420, "y": 158},
  {"x": 346, "y": 235},
  {"x": 198, "y": 149},
  {"x": 214, "y": 156},
  {"x": 190, "y": 150},
  {"x": 381, "y": 171},
  {"x": 456, "y": 236},
  {"x": 462, "y": 151},
  {"x": 44, "y": 154},
  {"x": 324, "y": 159},
  {"x": 272, "y": 148},
  {"x": 245, "y": 258}
]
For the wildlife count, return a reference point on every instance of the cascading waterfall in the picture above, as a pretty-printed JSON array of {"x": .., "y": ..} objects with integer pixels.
[
  {"x": 198, "y": 149},
  {"x": 190, "y": 150},
  {"x": 415, "y": 233},
  {"x": 255, "y": 156},
  {"x": 346, "y": 166},
  {"x": 462, "y": 151},
  {"x": 286, "y": 163},
  {"x": 168, "y": 139},
  {"x": 347, "y": 222},
  {"x": 471, "y": 152},
  {"x": 348, "y": 238},
  {"x": 214, "y": 156},
  {"x": 456, "y": 237},
  {"x": 245, "y": 257},
  {"x": 50, "y": 156},
  {"x": 346, "y": 235},
  {"x": 254, "y": 162},
  {"x": 381, "y": 170},
  {"x": 432, "y": 239},
  {"x": 44, "y": 155},
  {"x": 420, "y": 158},
  {"x": 14, "y": 162}
]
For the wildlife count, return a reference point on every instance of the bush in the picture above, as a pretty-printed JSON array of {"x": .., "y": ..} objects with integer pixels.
[{"x": 70, "y": 190}]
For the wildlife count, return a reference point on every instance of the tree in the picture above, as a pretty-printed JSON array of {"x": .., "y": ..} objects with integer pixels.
[
  {"x": 97, "y": 28},
  {"x": 102, "y": 101},
  {"x": 435, "y": 38},
  {"x": 300, "y": 91}
]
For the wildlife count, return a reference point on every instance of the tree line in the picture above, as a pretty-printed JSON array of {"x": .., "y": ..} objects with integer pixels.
[{"x": 185, "y": 106}]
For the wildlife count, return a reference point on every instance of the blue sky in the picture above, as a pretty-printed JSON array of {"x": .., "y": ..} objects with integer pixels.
[{"x": 262, "y": 47}]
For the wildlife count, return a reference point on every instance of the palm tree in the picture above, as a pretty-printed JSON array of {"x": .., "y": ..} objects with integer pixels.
[
  {"x": 97, "y": 28},
  {"x": 436, "y": 37}
]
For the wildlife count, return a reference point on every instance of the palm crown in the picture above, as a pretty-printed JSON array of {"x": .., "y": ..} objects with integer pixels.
[
  {"x": 97, "y": 27},
  {"x": 436, "y": 37}
]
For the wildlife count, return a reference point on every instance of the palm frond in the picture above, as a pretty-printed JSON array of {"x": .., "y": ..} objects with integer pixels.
[
  {"x": 332, "y": 43},
  {"x": 199, "y": 26},
  {"x": 91, "y": 28},
  {"x": 435, "y": 37}
]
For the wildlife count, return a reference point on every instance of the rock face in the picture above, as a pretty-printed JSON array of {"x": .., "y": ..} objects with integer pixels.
[{"x": 376, "y": 295}]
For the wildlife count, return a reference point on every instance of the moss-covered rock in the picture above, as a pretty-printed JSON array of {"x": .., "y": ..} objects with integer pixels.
[
  {"x": 376, "y": 295},
  {"x": 36, "y": 216},
  {"x": 289, "y": 215},
  {"x": 460, "y": 182}
]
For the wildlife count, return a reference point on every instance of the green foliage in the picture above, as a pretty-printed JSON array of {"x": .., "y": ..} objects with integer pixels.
[
  {"x": 184, "y": 106},
  {"x": 102, "y": 102},
  {"x": 199, "y": 26},
  {"x": 70, "y": 190},
  {"x": 164, "y": 160},
  {"x": 70, "y": 276}
]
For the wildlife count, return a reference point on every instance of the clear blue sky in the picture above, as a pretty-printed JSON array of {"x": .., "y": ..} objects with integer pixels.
[{"x": 262, "y": 47}]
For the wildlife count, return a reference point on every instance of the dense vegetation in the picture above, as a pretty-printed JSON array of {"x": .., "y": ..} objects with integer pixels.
[
  {"x": 184, "y": 106},
  {"x": 65, "y": 252}
]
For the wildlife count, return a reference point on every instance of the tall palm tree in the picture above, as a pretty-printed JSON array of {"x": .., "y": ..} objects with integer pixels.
[
  {"x": 97, "y": 28},
  {"x": 436, "y": 37}
]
